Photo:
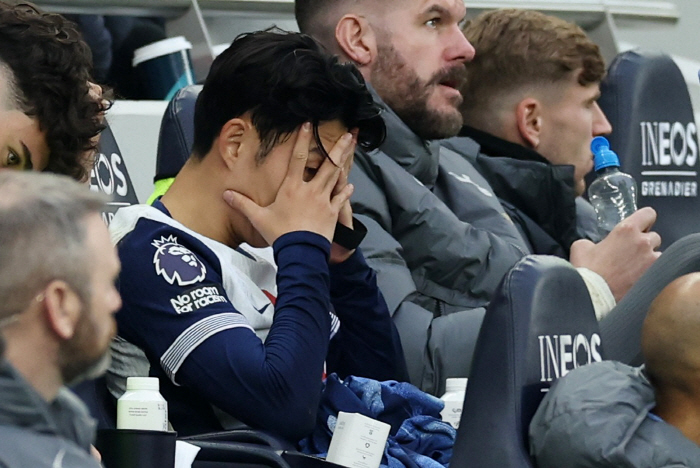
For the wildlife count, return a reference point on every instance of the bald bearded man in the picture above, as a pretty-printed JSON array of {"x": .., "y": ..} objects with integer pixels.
[
  {"x": 671, "y": 347},
  {"x": 609, "y": 415}
]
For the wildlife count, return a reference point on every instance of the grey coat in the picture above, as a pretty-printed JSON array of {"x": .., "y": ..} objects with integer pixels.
[
  {"x": 600, "y": 416},
  {"x": 440, "y": 243},
  {"x": 37, "y": 434}
]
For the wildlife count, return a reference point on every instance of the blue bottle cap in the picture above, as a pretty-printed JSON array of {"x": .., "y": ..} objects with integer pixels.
[{"x": 603, "y": 156}]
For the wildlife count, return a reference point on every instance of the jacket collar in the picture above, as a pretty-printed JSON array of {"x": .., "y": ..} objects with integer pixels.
[
  {"x": 418, "y": 157},
  {"x": 524, "y": 178},
  {"x": 493, "y": 146},
  {"x": 22, "y": 406}
]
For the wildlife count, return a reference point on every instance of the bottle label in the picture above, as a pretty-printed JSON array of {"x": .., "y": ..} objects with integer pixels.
[
  {"x": 144, "y": 415},
  {"x": 452, "y": 413}
]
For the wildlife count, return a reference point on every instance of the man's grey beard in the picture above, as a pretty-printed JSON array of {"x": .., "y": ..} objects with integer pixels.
[
  {"x": 77, "y": 356},
  {"x": 407, "y": 95}
]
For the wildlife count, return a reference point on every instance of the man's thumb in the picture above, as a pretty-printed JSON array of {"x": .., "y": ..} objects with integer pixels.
[{"x": 240, "y": 202}]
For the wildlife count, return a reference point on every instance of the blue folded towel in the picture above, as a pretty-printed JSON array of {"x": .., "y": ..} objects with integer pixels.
[{"x": 418, "y": 437}]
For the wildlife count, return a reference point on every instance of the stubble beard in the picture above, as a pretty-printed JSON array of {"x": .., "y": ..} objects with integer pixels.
[
  {"x": 407, "y": 95},
  {"x": 83, "y": 357}
]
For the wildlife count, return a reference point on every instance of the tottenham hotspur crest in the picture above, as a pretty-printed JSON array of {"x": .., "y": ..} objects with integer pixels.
[{"x": 177, "y": 263}]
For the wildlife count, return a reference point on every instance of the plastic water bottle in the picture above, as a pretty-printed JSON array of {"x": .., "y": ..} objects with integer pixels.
[
  {"x": 142, "y": 406},
  {"x": 613, "y": 194},
  {"x": 454, "y": 400}
]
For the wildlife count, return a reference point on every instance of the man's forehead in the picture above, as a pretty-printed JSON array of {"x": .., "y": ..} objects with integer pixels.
[
  {"x": 418, "y": 7},
  {"x": 455, "y": 7},
  {"x": 587, "y": 91},
  {"x": 566, "y": 88}
]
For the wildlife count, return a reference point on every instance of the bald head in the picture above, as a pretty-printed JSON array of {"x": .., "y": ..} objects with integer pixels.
[
  {"x": 318, "y": 18},
  {"x": 671, "y": 336}
]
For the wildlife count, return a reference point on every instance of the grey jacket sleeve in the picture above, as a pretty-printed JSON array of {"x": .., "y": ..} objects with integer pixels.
[
  {"x": 435, "y": 347},
  {"x": 456, "y": 254},
  {"x": 586, "y": 220},
  {"x": 436, "y": 269}
]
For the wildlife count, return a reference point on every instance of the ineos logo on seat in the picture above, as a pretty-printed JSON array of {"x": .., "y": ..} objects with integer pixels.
[
  {"x": 559, "y": 354},
  {"x": 669, "y": 144},
  {"x": 108, "y": 175},
  {"x": 669, "y": 159}
]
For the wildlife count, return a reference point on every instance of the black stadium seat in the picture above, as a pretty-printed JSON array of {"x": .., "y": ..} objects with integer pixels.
[
  {"x": 176, "y": 133},
  {"x": 109, "y": 175},
  {"x": 646, "y": 99},
  {"x": 540, "y": 324},
  {"x": 622, "y": 328}
]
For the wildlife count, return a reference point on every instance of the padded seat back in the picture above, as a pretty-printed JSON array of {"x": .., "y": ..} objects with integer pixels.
[
  {"x": 646, "y": 99},
  {"x": 621, "y": 329},
  {"x": 176, "y": 133},
  {"x": 539, "y": 325},
  {"x": 109, "y": 175}
]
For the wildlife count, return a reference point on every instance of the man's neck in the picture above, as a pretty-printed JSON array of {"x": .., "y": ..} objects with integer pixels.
[
  {"x": 195, "y": 200},
  {"x": 681, "y": 411},
  {"x": 36, "y": 364},
  {"x": 496, "y": 145}
]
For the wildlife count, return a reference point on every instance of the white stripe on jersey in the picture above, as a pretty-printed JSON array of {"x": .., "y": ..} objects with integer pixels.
[
  {"x": 335, "y": 324},
  {"x": 196, "y": 334}
]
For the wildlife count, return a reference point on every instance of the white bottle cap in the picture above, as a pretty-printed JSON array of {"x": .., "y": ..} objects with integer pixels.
[
  {"x": 142, "y": 383},
  {"x": 456, "y": 385}
]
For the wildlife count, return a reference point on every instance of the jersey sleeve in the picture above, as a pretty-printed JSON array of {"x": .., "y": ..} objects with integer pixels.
[
  {"x": 367, "y": 343},
  {"x": 173, "y": 295},
  {"x": 175, "y": 309}
]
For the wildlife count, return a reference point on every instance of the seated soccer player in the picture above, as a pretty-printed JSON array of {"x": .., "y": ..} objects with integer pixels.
[
  {"x": 530, "y": 104},
  {"x": 231, "y": 336},
  {"x": 50, "y": 111},
  {"x": 609, "y": 415}
]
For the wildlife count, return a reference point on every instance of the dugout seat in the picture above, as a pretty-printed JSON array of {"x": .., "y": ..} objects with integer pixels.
[
  {"x": 109, "y": 175},
  {"x": 621, "y": 329},
  {"x": 646, "y": 99},
  {"x": 239, "y": 448},
  {"x": 539, "y": 325},
  {"x": 176, "y": 133}
]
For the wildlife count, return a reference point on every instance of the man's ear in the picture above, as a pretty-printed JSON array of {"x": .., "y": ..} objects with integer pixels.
[
  {"x": 231, "y": 140},
  {"x": 356, "y": 39},
  {"x": 528, "y": 117},
  {"x": 62, "y": 308}
]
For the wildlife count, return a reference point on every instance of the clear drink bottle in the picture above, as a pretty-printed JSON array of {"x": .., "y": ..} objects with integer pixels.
[{"x": 613, "y": 193}]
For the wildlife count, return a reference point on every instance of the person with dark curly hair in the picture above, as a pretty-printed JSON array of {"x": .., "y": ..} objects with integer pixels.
[
  {"x": 232, "y": 335},
  {"x": 51, "y": 113}
]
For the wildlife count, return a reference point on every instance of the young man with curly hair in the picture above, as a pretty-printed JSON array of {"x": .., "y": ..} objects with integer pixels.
[{"x": 50, "y": 111}]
